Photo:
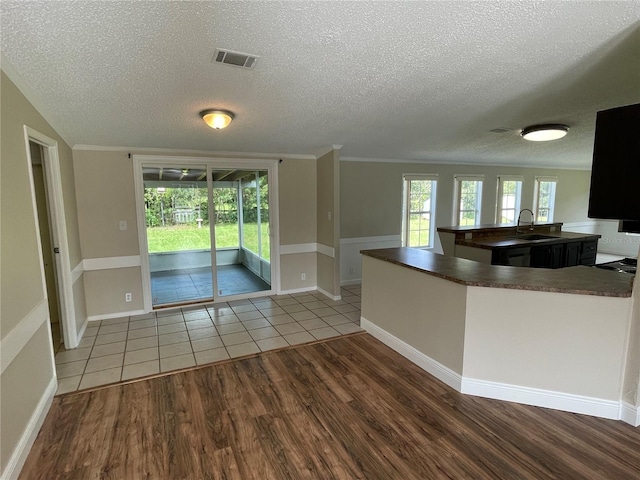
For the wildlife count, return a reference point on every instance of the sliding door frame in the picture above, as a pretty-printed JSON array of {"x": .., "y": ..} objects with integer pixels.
[{"x": 210, "y": 163}]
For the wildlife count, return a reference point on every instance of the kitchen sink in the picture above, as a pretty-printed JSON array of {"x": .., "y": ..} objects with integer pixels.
[{"x": 535, "y": 236}]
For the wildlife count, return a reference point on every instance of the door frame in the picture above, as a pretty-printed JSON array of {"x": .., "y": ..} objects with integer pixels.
[
  {"x": 270, "y": 165},
  {"x": 57, "y": 218}
]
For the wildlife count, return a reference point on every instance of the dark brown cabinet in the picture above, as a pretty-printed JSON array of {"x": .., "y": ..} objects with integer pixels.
[
  {"x": 554, "y": 255},
  {"x": 572, "y": 253},
  {"x": 548, "y": 256},
  {"x": 588, "y": 253}
]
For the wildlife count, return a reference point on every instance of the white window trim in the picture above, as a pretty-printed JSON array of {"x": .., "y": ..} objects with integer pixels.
[
  {"x": 536, "y": 196},
  {"x": 457, "y": 179},
  {"x": 406, "y": 202},
  {"x": 501, "y": 180}
]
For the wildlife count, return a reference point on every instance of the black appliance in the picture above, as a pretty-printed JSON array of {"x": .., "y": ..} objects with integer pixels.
[
  {"x": 629, "y": 226},
  {"x": 615, "y": 172},
  {"x": 626, "y": 265}
]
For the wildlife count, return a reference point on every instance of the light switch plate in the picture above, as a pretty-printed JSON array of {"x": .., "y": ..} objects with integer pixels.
[{"x": 123, "y": 225}]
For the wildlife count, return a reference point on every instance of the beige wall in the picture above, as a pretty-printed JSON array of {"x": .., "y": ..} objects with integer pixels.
[
  {"x": 21, "y": 286},
  {"x": 325, "y": 178},
  {"x": 22, "y": 385},
  {"x": 423, "y": 311},
  {"x": 105, "y": 290},
  {"x": 631, "y": 387},
  {"x": 106, "y": 195},
  {"x": 372, "y": 194},
  {"x": 105, "y": 192},
  {"x": 328, "y": 215},
  {"x": 551, "y": 341},
  {"x": 292, "y": 266},
  {"x": 297, "y": 195},
  {"x": 298, "y": 222}
]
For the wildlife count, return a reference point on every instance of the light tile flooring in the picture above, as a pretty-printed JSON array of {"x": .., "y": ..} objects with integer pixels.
[{"x": 130, "y": 347}]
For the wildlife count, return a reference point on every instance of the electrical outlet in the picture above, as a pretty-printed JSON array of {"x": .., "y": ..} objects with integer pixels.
[
  {"x": 127, "y": 297},
  {"x": 328, "y": 215},
  {"x": 303, "y": 276},
  {"x": 351, "y": 271}
]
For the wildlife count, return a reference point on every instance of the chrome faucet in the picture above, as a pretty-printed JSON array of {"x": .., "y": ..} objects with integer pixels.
[{"x": 520, "y": 215}]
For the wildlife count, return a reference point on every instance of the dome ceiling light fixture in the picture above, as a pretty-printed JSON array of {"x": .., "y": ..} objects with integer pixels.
[
  {"x": 217, "y": 118},
  {"x": 544, "y": 133}
]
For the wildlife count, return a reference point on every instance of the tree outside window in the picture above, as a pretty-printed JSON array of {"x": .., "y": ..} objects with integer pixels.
[
  {"x": 509, "y": 194},
  {"x": 469, "y": 198},
  {"x": 419, "y": 205},
  {"x": 545, "y": 199}
]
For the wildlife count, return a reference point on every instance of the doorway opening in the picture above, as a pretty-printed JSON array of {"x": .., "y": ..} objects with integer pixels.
[
  {"x": 46, "y": 240},
  {"x": 207, "y": 232},
  {"x": 48, "y": 208}
]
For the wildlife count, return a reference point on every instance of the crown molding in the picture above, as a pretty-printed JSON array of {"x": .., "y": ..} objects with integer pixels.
[
  {"x": 151, "y": 150},
  {"x": 438, "y": 162}
]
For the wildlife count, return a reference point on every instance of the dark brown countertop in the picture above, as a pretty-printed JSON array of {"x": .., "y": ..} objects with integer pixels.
[
  {"x": 580, "y": 280},
  {"x": 501, "y": 241},
  {"x": 494, "y": 228}
]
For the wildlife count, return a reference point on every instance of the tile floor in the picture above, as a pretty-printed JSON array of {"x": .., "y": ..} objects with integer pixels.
[
  {"x": 130, "y": 347},
  {"x": 192, "y": 284}
]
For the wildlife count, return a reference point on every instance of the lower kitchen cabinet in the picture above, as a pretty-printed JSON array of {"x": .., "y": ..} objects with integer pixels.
[{"x": 555, "y": 255}]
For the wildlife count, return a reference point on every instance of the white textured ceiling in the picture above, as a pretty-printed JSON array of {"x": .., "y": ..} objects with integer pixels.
[{"x": 396, "y": 80}]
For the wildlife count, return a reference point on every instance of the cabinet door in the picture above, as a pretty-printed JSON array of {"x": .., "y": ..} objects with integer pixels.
[
  {"x": 572, "y": 254},
  {"x": 540, "y": 257},
  {"x": 588, "y": 253},
  {"x": 557, "y": 256}
]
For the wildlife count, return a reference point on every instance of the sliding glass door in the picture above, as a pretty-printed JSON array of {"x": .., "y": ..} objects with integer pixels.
[
  {"x": 178, "y": 234},
  {"x": 241, "y": 231},
  {"x": 192, "y": 218}
]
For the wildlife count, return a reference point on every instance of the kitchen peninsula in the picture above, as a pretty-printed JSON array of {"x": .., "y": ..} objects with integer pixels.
[
  {"x": 552, "y": 338},
  {"x": 541, "y": 245}
]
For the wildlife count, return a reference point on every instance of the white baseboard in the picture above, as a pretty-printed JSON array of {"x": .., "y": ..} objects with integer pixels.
[
  {"x": 327, "y": 294},
  {"x": 107, "y": 316},
  {"x": 297, "y": 290},
  {"x": 351, "y": 281},
  {"x": 428, "y": 364},
  {"x": 630, "y": 414},
  {"x": 83, "y": 327},
  {"x": 567, "y": 402},
  {"x": 19, "y": 455}
]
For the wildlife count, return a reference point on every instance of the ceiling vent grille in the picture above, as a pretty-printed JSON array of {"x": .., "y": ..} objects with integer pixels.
[
  {"x": 235, "y": 59},
  {"x": 501, "y": 130}
]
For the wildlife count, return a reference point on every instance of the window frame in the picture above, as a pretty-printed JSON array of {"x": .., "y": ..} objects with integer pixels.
[
  {"x": 406, "y": 208},
  {"x": 552, "y": 198},
  {"x": 500, "y": 194},
  {"x": 458, "y": 179}
]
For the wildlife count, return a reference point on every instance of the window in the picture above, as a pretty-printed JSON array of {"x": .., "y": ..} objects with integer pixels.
[
  {"x": 468, "y": 191},
  {"x": 509, "y": 194},
  {"x": 545, "y": 197},
  {"x": 419, "y": 208}
]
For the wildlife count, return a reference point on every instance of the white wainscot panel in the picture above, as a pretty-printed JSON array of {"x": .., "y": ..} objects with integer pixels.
[{"x": 351, "y": 260}]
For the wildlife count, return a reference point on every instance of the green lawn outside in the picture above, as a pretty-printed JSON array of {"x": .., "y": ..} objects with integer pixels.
[
  {"x": 183, "y": 237},
  {"x": 418, "y": 231}
]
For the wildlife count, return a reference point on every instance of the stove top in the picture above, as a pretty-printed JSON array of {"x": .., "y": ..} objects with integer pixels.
[{"x": 626, "y": 265}]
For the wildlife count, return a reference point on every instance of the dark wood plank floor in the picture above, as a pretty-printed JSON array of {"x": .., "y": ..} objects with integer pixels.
[{"x": 346, "y": 408}]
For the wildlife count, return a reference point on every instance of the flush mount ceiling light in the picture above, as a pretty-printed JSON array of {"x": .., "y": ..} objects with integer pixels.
[
  {"x": 544, "y": 133},
  {"x": 216, "y": 118}
]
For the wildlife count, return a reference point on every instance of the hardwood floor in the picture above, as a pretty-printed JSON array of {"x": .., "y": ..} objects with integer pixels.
[{"x": 346, "y": 408}]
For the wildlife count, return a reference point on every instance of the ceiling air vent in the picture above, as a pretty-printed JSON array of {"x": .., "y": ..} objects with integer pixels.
[{"x": 234, "y": 59}]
